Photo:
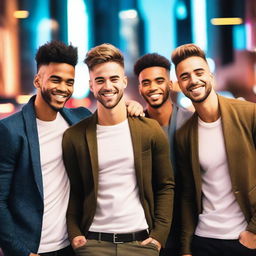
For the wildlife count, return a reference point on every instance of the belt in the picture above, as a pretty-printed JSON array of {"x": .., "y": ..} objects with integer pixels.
[{"x": 118, "y": 238}]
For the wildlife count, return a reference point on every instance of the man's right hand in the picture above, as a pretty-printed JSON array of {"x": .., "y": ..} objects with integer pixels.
[
  {"x": 78, "y": 241},
  {"x": 33, "y": 254}
]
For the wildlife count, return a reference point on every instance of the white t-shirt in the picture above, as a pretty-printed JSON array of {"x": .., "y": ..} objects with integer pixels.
[
  {"x": 119, "y": 209},
  {"x": 55, "y": 185},
  {"x": 222, "y": 217}
]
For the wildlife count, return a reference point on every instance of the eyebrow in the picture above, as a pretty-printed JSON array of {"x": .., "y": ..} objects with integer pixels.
[
  {"x": 60, "y": 78},
  {"x": 56, "y": 77},
  {"x": 101, "y": 77},
  {"x": 145, "y": 80},
  {"x": 195, "y": 70}
]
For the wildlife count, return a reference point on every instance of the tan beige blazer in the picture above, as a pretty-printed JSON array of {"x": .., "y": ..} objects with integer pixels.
[{"x": 239, "y": 130}]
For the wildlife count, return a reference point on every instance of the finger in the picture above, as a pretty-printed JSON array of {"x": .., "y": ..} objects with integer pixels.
[{"x": 147, "y": 241}]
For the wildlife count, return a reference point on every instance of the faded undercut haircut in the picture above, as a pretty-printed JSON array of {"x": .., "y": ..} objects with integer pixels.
[
  {"x": 151, "y": 60},
  {"x": 185, "y": 51},
  {"x": 103, "y": 53},
  {"x": 56, "y": 51}
]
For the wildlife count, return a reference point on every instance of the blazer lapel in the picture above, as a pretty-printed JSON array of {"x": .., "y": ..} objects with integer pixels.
[
  {"x": 29, "y": 116},
  {"x": 137, "y": 150},
  {"x": 90, "y": 131},
  {"x": 195, "y": 158},
  {"x": 230, "y": 132}
]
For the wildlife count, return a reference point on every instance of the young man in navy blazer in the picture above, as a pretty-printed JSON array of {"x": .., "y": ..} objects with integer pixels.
[{"x": 34, "y": 188}]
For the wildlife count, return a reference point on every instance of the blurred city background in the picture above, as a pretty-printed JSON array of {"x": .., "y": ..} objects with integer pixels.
[{"x": 225, "y": 29}]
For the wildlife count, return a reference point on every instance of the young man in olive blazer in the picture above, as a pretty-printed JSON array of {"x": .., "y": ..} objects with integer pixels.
[
  {"x": 104, "y": 162},
  {"x": 216, "y": 156}
]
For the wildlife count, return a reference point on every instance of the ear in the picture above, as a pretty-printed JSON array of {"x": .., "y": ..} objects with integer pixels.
[
  {"x": 36, "y": 81},
  {"x": 139, "y": 88},
  {"x": 125, "y": 80},
  {"x": 90, "y": 86},
  {"x": 170, "y": 85}
]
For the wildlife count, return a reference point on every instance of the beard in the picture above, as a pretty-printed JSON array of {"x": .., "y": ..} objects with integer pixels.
[
  {"x": 46, "y": 95},
  {"x": 151, "y": 104},
  {"x": 208, "y": 88},
  {"x": 112, "y": 105}
]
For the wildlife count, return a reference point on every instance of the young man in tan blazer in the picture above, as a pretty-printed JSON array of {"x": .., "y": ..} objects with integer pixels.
[
  {"x": 119, "y": 169},
  {"x": 216, "y": 156}
]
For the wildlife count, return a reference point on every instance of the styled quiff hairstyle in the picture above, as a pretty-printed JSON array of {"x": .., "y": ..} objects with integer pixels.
[
  {"x": 56, "y": 51},
  {"x": 151, "y": 60},
  {"x": 103, "y": 53},
  {"x": 185, "y": 51}
]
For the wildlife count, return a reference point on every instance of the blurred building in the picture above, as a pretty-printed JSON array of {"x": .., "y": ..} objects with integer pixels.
[{"x": 227, "y": 32}]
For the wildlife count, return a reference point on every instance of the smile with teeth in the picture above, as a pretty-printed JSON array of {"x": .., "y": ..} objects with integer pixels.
[
  {"x": 108, "y": 94},
  {"x": 155, "y": 95},
  {"x": 197, "y": 90},
  {"x": 60, "y": 97}
]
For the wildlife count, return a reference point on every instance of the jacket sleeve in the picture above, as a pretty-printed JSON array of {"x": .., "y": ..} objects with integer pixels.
[
  {"x": 188, "y": 195},
  {"x": 9, "y": 149},
  {"x": 252, "y": 224},
  {"x": 74, "y": 212},
  {"x": 163, "y": 185}
]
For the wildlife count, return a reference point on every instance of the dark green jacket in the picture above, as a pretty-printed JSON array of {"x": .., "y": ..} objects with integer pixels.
[
  {"x": 153, "y": 172},
  {"x": 239, "y": 130}
]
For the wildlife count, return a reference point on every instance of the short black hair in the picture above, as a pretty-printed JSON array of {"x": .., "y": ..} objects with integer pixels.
[
  {"x": 56, "y": 51},
  {"x": 151, "y": 60}
]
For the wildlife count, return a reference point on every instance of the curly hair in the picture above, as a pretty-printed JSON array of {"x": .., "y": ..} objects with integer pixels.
[
  {"x": 151, "y": 60},
  {"x": 56, "y": 51}
]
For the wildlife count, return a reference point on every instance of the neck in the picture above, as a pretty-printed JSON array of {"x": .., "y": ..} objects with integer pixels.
[
  {"x": 208, "y": 110},
  {"x": 162, "y": 114},
  {"x": 112, "y": 116},
  {"x": 43, "y": 111}
]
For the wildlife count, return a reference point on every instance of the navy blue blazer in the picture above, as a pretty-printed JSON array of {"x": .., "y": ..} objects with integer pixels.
[{"x": 21, "y": 187}]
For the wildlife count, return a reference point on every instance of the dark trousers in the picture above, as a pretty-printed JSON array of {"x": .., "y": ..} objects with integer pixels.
[
  {"x": 67, "y": 251},
  {"x": 202, "y": 246}
]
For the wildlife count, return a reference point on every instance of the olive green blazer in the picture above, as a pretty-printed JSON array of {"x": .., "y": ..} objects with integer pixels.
[
  {"x": 239, "y": 130},
  {"x": 153, "y": 172}
]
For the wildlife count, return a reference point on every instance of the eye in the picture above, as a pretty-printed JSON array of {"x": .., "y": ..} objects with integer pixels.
[
  {"x": 70, "y": 82},
  {"x": 99, "y": 81},
  {"x": 184, "y": 78},
  {"x": 199, "y": 73},
  {"x": 146, "y": 83},
  {"x": 55, "y": 80},
  {"x": 114, "y": 80},
  {"x": 160, "y": 81}
]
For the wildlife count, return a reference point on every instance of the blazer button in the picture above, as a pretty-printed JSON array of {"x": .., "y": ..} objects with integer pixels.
[{"x": 237, "y": 192}]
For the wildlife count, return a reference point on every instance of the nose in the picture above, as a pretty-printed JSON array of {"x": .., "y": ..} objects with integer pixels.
[
  {"x": 194, "y": 79},
  {"x": 153, "y": 86},
  {"x": 108, "y": 84},
  {"x": 62, "y": 86}
]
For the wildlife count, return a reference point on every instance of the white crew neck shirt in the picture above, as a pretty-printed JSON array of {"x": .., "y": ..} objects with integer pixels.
[
  {"x": 222, "y": 217},
  {"x": 119, "y": 209},
  {"x": 55, "y": 185}
]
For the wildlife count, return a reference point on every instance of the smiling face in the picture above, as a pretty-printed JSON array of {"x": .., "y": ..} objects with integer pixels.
[
  {"x": 194, "y": 78},
  {"x": 155, "y": 85},
  {"x": 55, "y": 85},
  {"x": 107, "y": 83}
]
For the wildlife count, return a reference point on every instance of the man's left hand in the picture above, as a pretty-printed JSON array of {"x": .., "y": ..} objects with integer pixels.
[
  {"x": 248, "y": 239},
  {"x": 152, "y": 241},
  {"x": 134, "y": 108}
]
